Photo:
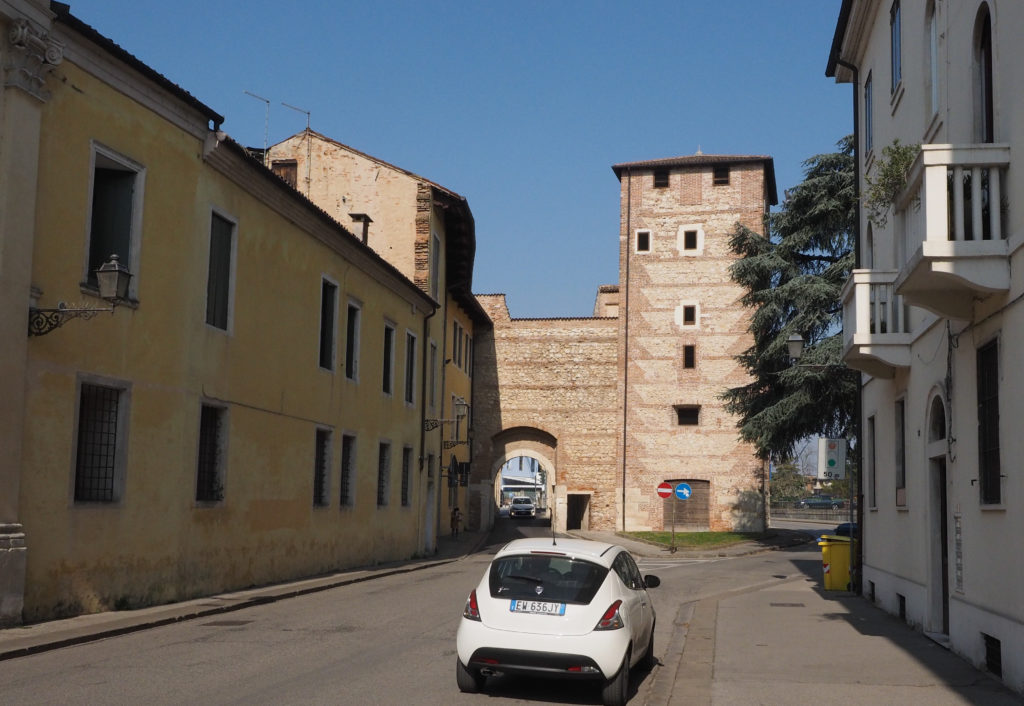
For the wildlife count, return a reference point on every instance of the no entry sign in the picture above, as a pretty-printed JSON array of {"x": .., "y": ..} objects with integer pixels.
[{"x": 664, "y": 490}]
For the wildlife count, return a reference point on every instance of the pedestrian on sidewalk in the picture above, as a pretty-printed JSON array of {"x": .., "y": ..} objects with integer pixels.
[{"x": 456, "y": 521}]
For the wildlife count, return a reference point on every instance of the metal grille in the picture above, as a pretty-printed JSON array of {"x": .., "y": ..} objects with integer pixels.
[
  {"x": 97, "y": 444},
  {"x": 406, "y": 463},
  {"x": 208, "y": 485},
  {"x": 323, "y": 438},
  {"x": 383, "y": 464},
  {"x": 348, "y": 455},
  {"x": 988, "y": 423}
]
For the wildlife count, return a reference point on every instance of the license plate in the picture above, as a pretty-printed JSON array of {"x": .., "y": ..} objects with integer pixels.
[{"x": 541, "y": 607}]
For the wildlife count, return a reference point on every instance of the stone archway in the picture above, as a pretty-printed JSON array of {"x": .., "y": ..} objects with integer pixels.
[{"x": 529, "y": 442}]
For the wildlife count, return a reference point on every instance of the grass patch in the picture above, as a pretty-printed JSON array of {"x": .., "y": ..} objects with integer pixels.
[{"x": 699, "y": 540}]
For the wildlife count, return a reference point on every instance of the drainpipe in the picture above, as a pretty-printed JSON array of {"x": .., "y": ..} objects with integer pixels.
[
  {"x": 425, "y": 370},
  {"x": 625, "y": 339},
  {"x": 858, "y": 562}
]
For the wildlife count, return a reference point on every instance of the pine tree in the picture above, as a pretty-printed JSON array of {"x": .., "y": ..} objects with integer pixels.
[{"x": 793, "y": 278}]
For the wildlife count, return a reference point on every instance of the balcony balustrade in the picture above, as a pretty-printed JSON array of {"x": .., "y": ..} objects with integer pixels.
[
  {"x": 950, "y": 228},
  {"x": 876, "y": 325}
]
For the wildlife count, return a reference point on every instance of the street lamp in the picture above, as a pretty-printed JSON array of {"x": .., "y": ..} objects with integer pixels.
[
  {"x": 795, "y": 346},
  {"x": 112, "y": 278}
]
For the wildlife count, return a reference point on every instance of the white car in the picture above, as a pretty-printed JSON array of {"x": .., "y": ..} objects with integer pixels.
[
  {"x": 522, "y": 507},
  {"x": 568, "y": 608}
]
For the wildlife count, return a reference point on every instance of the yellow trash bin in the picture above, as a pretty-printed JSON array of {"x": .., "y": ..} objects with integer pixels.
[{"x": 835, "y": 561}]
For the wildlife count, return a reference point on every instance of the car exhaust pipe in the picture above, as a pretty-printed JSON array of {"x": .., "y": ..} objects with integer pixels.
[{"x": 488, "y": 672}]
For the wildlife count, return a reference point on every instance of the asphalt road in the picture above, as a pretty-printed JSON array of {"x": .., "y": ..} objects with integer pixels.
[{"x": 386, "y": 641}]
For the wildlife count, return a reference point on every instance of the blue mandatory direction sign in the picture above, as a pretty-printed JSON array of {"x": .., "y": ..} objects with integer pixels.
[{"x": 683, "y": 491}]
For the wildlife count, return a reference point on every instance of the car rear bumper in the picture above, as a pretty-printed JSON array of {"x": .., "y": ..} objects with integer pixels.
[
  {"x": 553, "y": 664},
  {"x": 539, "y": 653}
]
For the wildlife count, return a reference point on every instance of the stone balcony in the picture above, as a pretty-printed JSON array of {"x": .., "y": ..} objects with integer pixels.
[
  {"x": 950, "y": 228},
  {"x": 876, "y": 326}
]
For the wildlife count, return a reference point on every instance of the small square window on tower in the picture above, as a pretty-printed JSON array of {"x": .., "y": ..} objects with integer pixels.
[
  {"x": 690, "y": 240},
  {"x": 643, "y": 241},
  {"x": 660, "y": 178},
  {"x": 689, "y": 356},
  {"x": 687, "y": 415},
  {"x": 689, "y": 315},
  {"x": 720, "y": 175}
]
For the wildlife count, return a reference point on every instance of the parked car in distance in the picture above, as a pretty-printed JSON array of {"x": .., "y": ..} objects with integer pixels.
[
  {"x": 575, "y": 609},
  {"x": 522, "y": 507},
  {"x": 821, "y": 502},
  {"x": 846, "y": 529}
]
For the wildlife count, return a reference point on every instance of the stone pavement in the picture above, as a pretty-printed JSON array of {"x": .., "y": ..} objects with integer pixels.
[{"x": 786, "y": 642}]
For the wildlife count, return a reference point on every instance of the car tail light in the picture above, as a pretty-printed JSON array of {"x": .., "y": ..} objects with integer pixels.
[
  {"x": 472, "y": 610},
  {"x": 611, "y": 620}
]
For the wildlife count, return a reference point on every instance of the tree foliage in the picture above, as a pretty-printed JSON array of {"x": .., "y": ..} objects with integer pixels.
[
  {"x": 787, "y": 483},
  {"x": 793, "y": 276}
]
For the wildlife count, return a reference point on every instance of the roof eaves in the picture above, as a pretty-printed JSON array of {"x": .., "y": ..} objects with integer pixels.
[{"x": 62, "y": 14}]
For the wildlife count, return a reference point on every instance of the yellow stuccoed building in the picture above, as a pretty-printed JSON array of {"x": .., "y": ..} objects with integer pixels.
[{"x": 253, "y": 411}]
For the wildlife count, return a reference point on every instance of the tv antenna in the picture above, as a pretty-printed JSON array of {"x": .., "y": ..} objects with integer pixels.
[{"x": 266, "y": 122}]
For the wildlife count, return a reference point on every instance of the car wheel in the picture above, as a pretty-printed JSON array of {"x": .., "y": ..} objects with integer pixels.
[
  {"x": 616, "y": 689},
  {"x": 835, "y": 506},
  {"x": 469, "y": 680}
]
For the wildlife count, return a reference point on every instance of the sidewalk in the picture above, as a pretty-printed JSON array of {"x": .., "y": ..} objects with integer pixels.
[{"x": 24, "y": 640}]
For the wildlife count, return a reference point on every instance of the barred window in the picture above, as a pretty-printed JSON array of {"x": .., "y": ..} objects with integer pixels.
[
  {"x": 348, "y": 470},
  {"x": 209, "y": 469},
  {"x": 96, "y": 457},
  {"x": 406, "y": 469},
  {"x": 988, "y": 423},
  {"x": 321, "y": 464},
  {"x": 383, "y": 471}
]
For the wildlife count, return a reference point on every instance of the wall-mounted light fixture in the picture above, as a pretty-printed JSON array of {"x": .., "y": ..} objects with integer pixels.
[
  {"x": 112, "y": 278},
  {"x": 460, "y": 411}
]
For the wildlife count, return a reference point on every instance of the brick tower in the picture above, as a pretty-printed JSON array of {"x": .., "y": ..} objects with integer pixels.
[{"x": 681, "y": 324}]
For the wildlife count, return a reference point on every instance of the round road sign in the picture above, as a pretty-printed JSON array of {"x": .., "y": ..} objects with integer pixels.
[
  {"x": 664, "y": 490},
  {"x": 683, "y": 491}
]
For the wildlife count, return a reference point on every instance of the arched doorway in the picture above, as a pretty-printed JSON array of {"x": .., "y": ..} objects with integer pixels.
[{"x": 524, "y": 462}]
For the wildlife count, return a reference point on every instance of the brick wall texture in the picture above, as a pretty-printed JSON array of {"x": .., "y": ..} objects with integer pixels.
[{"x": 598, "y": 396}]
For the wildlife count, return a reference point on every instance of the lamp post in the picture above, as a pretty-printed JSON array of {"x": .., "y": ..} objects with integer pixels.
[{"x": 112, "y": 279}]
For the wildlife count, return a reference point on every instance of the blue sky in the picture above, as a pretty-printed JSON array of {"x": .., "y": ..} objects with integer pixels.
[{"x": 522, "y": 107}]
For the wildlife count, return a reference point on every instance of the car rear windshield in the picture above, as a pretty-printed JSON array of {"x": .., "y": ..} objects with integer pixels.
[{"x": 545, "y": 577}]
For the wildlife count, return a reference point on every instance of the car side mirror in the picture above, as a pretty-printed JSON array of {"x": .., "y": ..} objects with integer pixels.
[{"x": 651, "y": 581}]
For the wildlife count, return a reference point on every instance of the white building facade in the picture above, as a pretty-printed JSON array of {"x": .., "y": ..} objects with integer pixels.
[{"x": 934, "y": 318}]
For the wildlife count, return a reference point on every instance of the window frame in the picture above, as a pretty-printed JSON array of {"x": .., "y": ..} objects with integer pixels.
[
  {"x": 989, "y": 454},
  {"x": 213, "y": 491},
  {"x": 328, "y": 348},
  {"x": 899, "y": 425},
  {"x": 387, "y": 384},
  {"x": 348, "y": 469},
  {"x": 869, "y": 109},
  {"x": 410, "y": 367},
  {"x": 720, "y": 175},
  {"x": 699, "y": 240},
  {"x": 406, "y": 494},
  {"x": 228, "y": 287},
  {"x": 689, "y": 356},
  {"x": 103, "y": 157},
  {"x": 661, "y": 178},
  {"x": 647, "y": 240},
  {"x": 118, "y": 470},
  {"x": 895, "y": 46},
  {"x": 383, "y": 473},
  {"x": 683, "y": 415},
  {"x": 322, "y": 452},
  {"x": 353, "y": 324}
]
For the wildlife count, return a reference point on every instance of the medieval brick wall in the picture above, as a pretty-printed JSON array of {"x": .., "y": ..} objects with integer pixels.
[
  {"x": 548, "y": 388},
  {"x": 678, "y": 293}
]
